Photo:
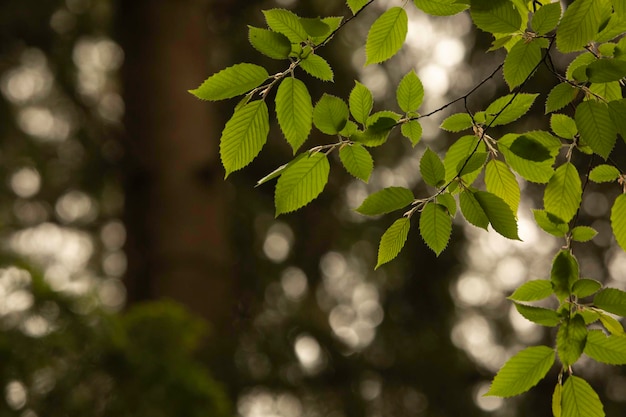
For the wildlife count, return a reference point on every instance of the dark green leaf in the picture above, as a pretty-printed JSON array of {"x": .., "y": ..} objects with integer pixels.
[
  {"x": 570, "y": 340},
  {"x": 499, "y": 214},
  {"x": 564, "y": 273},
  {"x": 527, "y": 148},
  {"x": 618, "y": 220},
  {"x": 385, "y": 201},
  {"x": 596, "y": 127},
  {"x": 606, "y": 70},
  {"x": 314, "y": 27}
]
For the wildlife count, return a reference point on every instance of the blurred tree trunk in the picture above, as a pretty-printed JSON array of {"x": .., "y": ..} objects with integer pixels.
[{"x": 175, "y": 207}]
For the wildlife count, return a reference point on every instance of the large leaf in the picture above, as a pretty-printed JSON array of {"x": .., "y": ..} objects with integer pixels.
[
  {"x": 578, "y": 399},
  {"x": 244, "y": 135},
  {"x": 611, "y": 324},
  {"x": 361, "y": 103},
  {"x": 301, "y": 183},
  {"x": 570, "y": 340},
  {"x": 317, "y": 66},
  {"x": 546, "y": 18},
  {"x": 560, "y": 96},
  {"x": 520, "y": 62},
  {"x": 539, "y": 315},
  {"x": 385, "y": 201},
  {"x": 509, "y": 108},
  {"x": 294, "y": 111},
  {"x": 522, "y": 372},
  {"x": 563, "y": 194},
  {"x": 585, "y": 287},
  {"x": 611, "y": 300},
  {"x": 499, "y": 213},
  {"x": 386, "y": 35},
  {"x": 526, "y": 147},
  {"x": 534, "y": 290},
  {"x": 606, "y": 349},
  {"x": 604, "y": 173},
  {"x": 579, "y": 25},
  {"x": 286, "y": 22},
  {"x": 539, "y": 172},
  {"x": 618, "y": 220},
  {"x": 550, "y": 223},
  {"x": 441, "y": 7},
  {"x": 435, "y": 227},
  {"x": 357, "y": 161},
  {"x": 458, "y": 153},
  {"x": 432, "y": 169},
  {"x": 606, "y": 70},
  {"x": 410, "y": 92},
  {"x": 231, "y": 82},
  {"x": 564, "y": 273},
  {"x": 472, "y": 165},
  {"x": 563, "y": 126},
  {"x": 269, "y": 43},
  {"x": 496, "y": 16},
  {"x": 617, "y": 109},
  {"x": 330, "y": 114},
  {"x": 595, "y": 127},
  {"x": 392, "y": 241}
]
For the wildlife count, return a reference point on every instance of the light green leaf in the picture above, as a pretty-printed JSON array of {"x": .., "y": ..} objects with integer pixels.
[
  {"x": 583, "y": 233},
  {"x": 563, "y": 126},
  {"x": 546, "y": 18},
  {"x": 539, "y": 315},
  {"x": 317, "y": 67},
  {"x": 472, "y": 165},
  {"x": 580, "y": 61},
  {"x": 361, "y": 102},
  {"x": 612, "y": 325},
  {"x": 314, "y": 27},
  {"x": 279, "y": 171},
  {"x": 412, "y": 130},
  {"x": 534, "y": 290},
  {"x": 556, "y": 400},
  {"x": 294, "y": 111},
  {"x": 617, "y": 109},
  {"x": 440, "y": 7},
  {"x": 410, "y": 92},
  {"x": 435, "y": 227},
  {"x": 585, "y": 287},
  {"x": 595, "y": 127},
  {"x": 611, "y": 300},
  {"x": 386, "y": 35},
  {"x": 520, "y": 62},
  {"x": 333, "y": 23},
  {"x": 432, "y": 169},
  {"x": 570, "y": 340},
  {"x": 457, "y": 122},
  {"x": 499, "y": 214},
  {"x": 579, "y": 25},
  {"x": 446, "y": 200},
  {"x": 503, "y": 41},
  {"x": 386, "y": 200},
  {"x": 618, "y": 220},
  {"x": 500, "y": 112},
  {"x": 379, "y": 127},
  {"x": 269, "y": 43},
  {"x": 496, "y": 16},
  {"x": 563, "y": 193},
  {"x": 330, "y": 114},
  {"x": 356, "y": 5},
  {"x": 522, "y": 372},
  {"x": 458, "y": 153},
  {"x": 472, "y": 211},
  {"x": 608, "y": 91},
  {"x": 579, "y": 399},
  {"x": 244, "y": 135},
  {"x": 589, "y": 315},
  {"x": 550, "y": 223},
  {"x": 612, "y": 24},
  {"x": 301, "y": 183},
  {"x": 539, "y": 172},
  {"x": 564, "y": 273},
  {"x": 393, "y": 240},
  {"x": 231, "y": 82},
  {"x": 606, "y": 70},
  {"x": 286, "y": 22},
  {"x": 606, "y": 349},
  {"x": 349, "y": 129},
  {"x": 560, "y": 96},
  {"x": 604, "y": 173},
  {"x": 357, "y": 161}
]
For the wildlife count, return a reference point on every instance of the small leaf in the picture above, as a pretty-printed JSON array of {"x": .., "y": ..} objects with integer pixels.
[
  {"x": 606, "y": 349},
  {"x": 595, "y": 127},
  {"x": 585, "y": 287},
  {"x": 532, "y": 291},
  {"x": 471, "y": 165},
  {"x": 459, "y": 152},
  {"x": 357, "y": 161},
  {"x": 611, "y": 300},
  {"x": 301, "y": 183},
  {"x": 392, "y": 241},
  {"x": 435, "y": 227},
  {"x": 499, "y": 214},
  {"x": 314, "y": 27},
  {"x": 361, "y": 103},
  {"x": 539, "y": 172},
  {"x": 550, "y": 223},
  {"x": 501, "y": 181},
  {"x": 496, "y": 16},
  {"x": 294, "y": 111},
  {"x": 522, "y": 372},
  {"x": 385, "y": 201},
  {"x": 570, "y": 340},
  {"x": 539, "y": 315},
  {"x": 579, "y": 25},
  {"x": 546, "y": 18},
  {"x": 563, "y": 126},
  {"x": 286, "y": 22},
  {"x": 606, "y": 70},
  {"x": 317, "y": 67},
  {"x": 520, "y": 62},
  {"x": 446, "y": 200},
  {"x": 412, "y": 130},
  {"x": 560, "y": 96},
  {"x": 578, "y": 399},
  {"x": 410, "y": 92},
  {"x": 612, "y": 325},
  {"x": 580, "y": 61},
  {"x": 379, "y": 127},
  {"x": 509, "y": 108},
  {"x": 231, "y": 82},
  {"x": 604, "y": 173},
  {"x": 563, "y": 194},
  {"x": 583, "y": 233},
  {"x": 330, "y": 114},
  {"x": 432, "y": 169},
  {"x": 269, "y": 43},
  {"x": 556, "y": 400},
  {"x": 457, "y": 122},
  {"x": 618, "y": 220},
  {"x": 386, "y": 35},
  {"x": 564, "y": 273},
  {"x": 472, "y": 211},
  {"x": 356, "y": 5},
  {"x": 440, "y": 7}
]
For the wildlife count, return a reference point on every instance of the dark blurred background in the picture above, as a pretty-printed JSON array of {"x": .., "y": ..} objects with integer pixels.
[{"x": 135, "y": 281}]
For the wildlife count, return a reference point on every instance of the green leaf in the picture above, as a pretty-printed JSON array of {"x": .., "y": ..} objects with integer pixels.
[
  {"x": 534, "y": 290},
  {"x": 286, "y": 22},
  {"x": 435, "y": 227},
  {"x": 472, "y": 211},
  {"x": 440, "y": 7},
  {"x": 314, "y": 27},
  {"x": 333, "y": 23},
  {"x": 539, "y": 315},
  {"x": 244, "y": 135},
  {"x": 520, "y": 62},
  {"x": 432, "y": 169},
  {"x": 564, "y": 273},
  {"x": 446, "y": 200},
  {"x": 590, "y": 316},
  {"x": 563, "y": 126},
  {"x": 410, "y": 92},
  {"x": 457, "y": 122},
  {"x": 585, "y": 287},
  {"x": 473, "y": 164},
  {"x": 606, "y": 70},
  {"x": 317, "y": 67},
  {"x": 570, "y": 340},
  {"x": 550, "y": 223},
  {"x": 279, "y": 171},
  {"x": 294, "y": 111},
  {"x": 529, "y": 149},
  {"x": 617, "y": 109},
  {"x": 496, "y": 16},
  {"x": 412, "y": 130},
  {"x": 392, "y": 241},
  {"x": 560, "y": 96},
  {"x": 563, "y": 193},
  {"x": 612, "y": 325},
  {"x": 501, "y": 181},
  {"x": 379, "y": 127},
  {"x": 349, "y": 129},
  {"x": 522, "y": 372},
  {"x": 301, "y": 183},
  {"x": 580, "y": 61},
  {"x": 386, "y": 35},
  {"x": 458, "y": 153},
  {"x": 231, "y": 82},
  {"x": 499, "y": 214},
  {"x": 269, "y": 43},
  {"x": 386, "y": 200},
  {"x": 546, "y": 18},
  {"x": 330, "y": 114},
  {"x": 539, "y": 172},
  {"x": 583, "y": 233},
  {"x": 618, "y": 220},
  {"x": 611, "y": 300},
  {"x": 579, "y": 399},
  {"x": 606, "y": 349},
  {"x": 357, "y": 161},
  {"x": 604, "y": 173},
  {"x": 356, "y": 5},
  {"x": 500, "y": 112},
  {"x": 556, "y": 400},
  {"x": 608, "y": 91},
  {"x": 579, "y": 25},
  {"x": 361, "y": 102}
]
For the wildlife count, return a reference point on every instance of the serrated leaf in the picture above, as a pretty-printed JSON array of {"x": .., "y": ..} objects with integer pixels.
[
  {"x": 393, "y": 240},
  {"x": 330, "y": 114},
  {"x": 301, "y": 183},
  {"x": 503, "y": 41},
  {"x": 606, "y": 349},
  {"x": 410, "y": 92},
  {"x": 349, "y": 129},
  {"x": 294, "y": 111},
  {"x": 496, "y": 16},
  {"x": 618, "y": 220},
  {"x": 446, "y": 200},
  {"x": 458, "y": 153},
  {"x": 385, "y": 201},
  {"x": 556, "y": 400},
  {"x": 386, "y": 35},
  {"x": 563, "y": 126},
  {"x": 583, "y": 233},
  {"x": 534, "y": 290},
  {"x": 580, "y": 61},
  {"x": 457, "y": 122},
  {"x": 361, "y": 102},
  {"x": 595, "y": 127},
  {"x": 357, "y": 161},
  {"x": 379, "y": 126},
  {"x": 314, "y": 27},
  {"x": 522, "y": 372},
  {"x": 617, "y": 109},
  {"x": 564, "y": 273},
  {"x": 520, "y": 62},
  {"x": 612, "y": 325},
  {"x": 529, "y": 149},
  {"x": 435, "y": 227},
  {"x": 604, "y": 173},
  {"x": 546, "y": 18},
  {"x": 608, "y": 91},
  {"x": 509, "y": 108},
  {"x": 412, "y": 130},
  {"x": 269, "y": 43},
  {"x": 472, "y": 211},
  {"x": 501, "y": 182},
  {"x": 539, "y": 172},
  {"x": 231, "y": 82},
  {"x": 560, "y": 96},
  {"x": 539, "y": 315},
  {"x": 590, "y": 316},
  {"x": 550, "y": 223},
  {"x": 499, "y": 214},
  {"x": 440, "y": 7},
  {"x": 432, "y": 169},
  {"x": 317, "y": 67},
  {"x": 472, "y": 165},
  {"x": 356, "y": 5},
  {"x": 570, "y": 340},
  {"x": 611, "y": 300},
  {"x": 333, "y": 23},
  {"x": 578, "y": 399},
  {"x": 563, "y": 193},
  {"x": 612, "y": 24},
  {"x": 286, "y": 22},
  {"x": 244, "y": 135},
  {"x": 579, "y": 25},
  {"x": 279, "y": 171},
  {"x": 585, "y": 287},
  {"x": 606, "y": 70}
]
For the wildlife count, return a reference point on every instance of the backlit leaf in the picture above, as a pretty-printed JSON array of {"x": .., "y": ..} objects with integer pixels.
[
  {"x": 509, "y": 108},
  {"x": 361, "y": 102},
  {"x": 457, "y": 122},
  {"x": 499, "y": 214},
  {"x": 496, "y": 16},
  {"x": 317, "y": 67},
  {"x": 604, "y": 173},
  {"x": 386, "y": 200},
  {"x": 435, "y": 227},
  {"x": 617, "y": 109},
  {"x": 618, "y": 220},
  {"x": 522, "y": 372},
  {"x": 432, "y": 169},
  {"x": 501, "y": 181},
  {"x": 410, "y": 92},
  {"x": 579, "y": 25},
  {"x": 472, "y": 165},
  {"x": 578, "y": 399},
  {"x": 534, "y": 290},
  {"x": 563, "y": 193},
  {"x": 606, "y": 349},
  {"x": 459, "y": 152},
  {"x": 357, "y": 161},
  {"x": 564, "y": 273},
  {"x": 379, "y": 126},
  {"x": 386, "y": 35},
  {"x": 301, "y": 183},
  {"x": 612, "y": 325},
  {"x": 556, "y": 400},
  {"x": 294, "y": 111},
  {"x": 472, "y": 210},
  {"x": 585, "y": 287},
  {"x": 560, "y": 96},
  {"x": 441, "y": 7},
  {"x": 269, "y": 43},
  {"x": 539, "y": 315},
  {"x": 446, "y": 200},
  {"x": 330, "y": 114},
  {"x": 546, "y": 18},
  {"x": 314, "y": 27},
  {"x": 570, "y": 340},
  {"x": 583, "y": 233},
  {"x": 393, "y": 240},
  {"x": 412, "y": 130},
  {"x": 231, "y": 82},
  {"x": 611, "y": 300},
  {"x": 563, "y": 126},
  {"x": 550, "y": 223},
  {"x": 539, "y": 172},
  {"x": 520, "y": 62},
  {"x": 286, "y": 22},
  {"x": 356, "y": 5},
  {"x": 606, "y": 70}
]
